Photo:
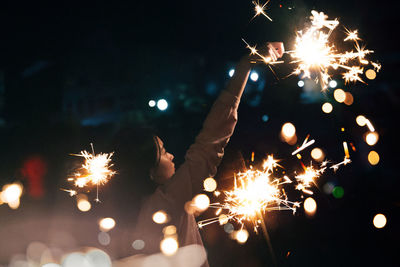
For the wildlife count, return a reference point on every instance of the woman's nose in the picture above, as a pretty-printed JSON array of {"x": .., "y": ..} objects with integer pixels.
[{"x": 171, "y": 156}]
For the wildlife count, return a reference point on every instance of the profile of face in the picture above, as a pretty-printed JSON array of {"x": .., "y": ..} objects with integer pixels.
[{"x": 166, "y": 167}]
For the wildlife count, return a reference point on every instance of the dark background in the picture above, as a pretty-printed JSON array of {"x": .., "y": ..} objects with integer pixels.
[{"x": 74, "y": 73}]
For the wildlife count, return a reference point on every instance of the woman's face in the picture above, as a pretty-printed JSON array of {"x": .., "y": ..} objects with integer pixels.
[{"x": 166, "y": 167}]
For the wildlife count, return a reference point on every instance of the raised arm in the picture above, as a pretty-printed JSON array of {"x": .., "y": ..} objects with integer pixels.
[{"x": 204, "y": 156}]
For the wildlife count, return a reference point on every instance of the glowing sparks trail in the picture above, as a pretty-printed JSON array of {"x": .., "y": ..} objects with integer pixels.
[
  {"x": 261, "y": 9},
  {"x": 314, "y": 53},
  {"x": 305, "y": 144},
  {"x": 95, "y": 171},
  {"x": 306, "y": 179},
  {"x": 344, "y": 162},
  {"x": 254, "y": 193}
]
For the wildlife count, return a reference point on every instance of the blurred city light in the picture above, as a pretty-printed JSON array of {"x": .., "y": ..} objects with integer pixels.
[
  {"x": 152, "y": 103},
  {"x": 370, "y": 74},
  {"x": 254, "y": 76},
  {"x": 84, "y": 205},
  {"x": 327, "y": 107},
  {"x": 300, "y": 83},
  {"x": 138, "y": 244},
  {"x": 169, "y": 230},
  {"x": 160, "y": 217},
  {"x": 372, "y": 138},
  {"x": 361, "y": 120},
  {"x": 231, "y": 72},
  {"x": 201, "y": 202},
  {"x": 317, "y": 154},
  {"x": 104, "y": 238},
  {"x": 339, "y": 95},
  {"x": 169, "y": 246},
  {"x": 310, "y": 206},
  {"x": 349, "y": 99},
  {"x": 373, "y": 158},
  {"x": 338, "y": 192},
  {"x": 379, "y": 220},
  {"x": 242, "y": 236},
  {"x": 265, "y": 118},
  {"x": 288, "y": 130},
  {"x": 210, "y": 184},
  {"x": 162, "y": 104},
  {"x": 106, "y": 224},
  {"x": 11, "y": 195},
  {"x": 332, "y": 84}
]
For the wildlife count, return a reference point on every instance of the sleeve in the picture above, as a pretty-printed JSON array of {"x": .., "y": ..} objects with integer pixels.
[{"x": 204, "y": 156}]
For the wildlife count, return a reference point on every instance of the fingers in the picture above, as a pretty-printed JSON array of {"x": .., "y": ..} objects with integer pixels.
[{"x": 276, "y": 50}]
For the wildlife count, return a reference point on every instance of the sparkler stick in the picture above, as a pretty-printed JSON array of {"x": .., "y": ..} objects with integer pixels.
[{"x": 305, "y": 144}]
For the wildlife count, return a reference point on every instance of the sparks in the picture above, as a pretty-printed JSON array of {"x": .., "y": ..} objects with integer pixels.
[
  {"x": 255, "y": 192},
  {"x": 344, "y": 162},
  {"x": 306, "y": 179},
  {"x": 314, "y": 52},
  {"x": 261, "y": 9},
  {"x": 305, "y": 144},
  {"x": 96, "y": 170}
]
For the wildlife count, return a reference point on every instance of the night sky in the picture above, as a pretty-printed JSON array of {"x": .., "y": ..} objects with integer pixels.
[{"x": 73, "y": 73}]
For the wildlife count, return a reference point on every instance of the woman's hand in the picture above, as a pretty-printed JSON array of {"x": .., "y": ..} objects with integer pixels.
[{"x": 270, "y": 52}]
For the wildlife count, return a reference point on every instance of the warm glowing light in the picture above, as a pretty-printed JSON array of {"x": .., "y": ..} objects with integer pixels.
[
  {"x": 315, "y": 55},
  {"x": 106, "y": 224},
  {"x": 223, "y": 219},
  {"x": 379, "y": 220},
  {"x": 310, "y": 206},
  {"x": 370, "y": 74},
  {"x": 84, "y": 205},
  {"x": 372, "y": 138},
  {"x": 160, "y": 217},
  {"x": 349, "y": 99},
  {"x": 361, "y": 120},
  {"x": 327, "y": 107},
  {"x": 169, "y": 230},
  {"x": 210, "y": 184},
  {"x": 201, "y": 202},
  {"x": 96, "y": 170},
  {"x": 339, "y": 95},
  {"x": 373, "y": 158},
  {"x": 11, "y": 193},
  {"x": 242, "y": 236},
  {"x": 169, "y": 246},
  {"x": 300, "y": 83},
  {"x": 254, "y": 193},
  {"x": 288, "y": 130},
  {"x": 317, "y": 154}
]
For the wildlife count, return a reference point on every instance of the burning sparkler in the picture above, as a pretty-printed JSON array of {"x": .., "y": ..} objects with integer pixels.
[
  {"x": 255, "y": 192},
  {"x": 305, "y": 144},
  {"x": 95, "y": 171},
  {"x": 306, "y": 179},
  {"x": 314, "y": 53}
]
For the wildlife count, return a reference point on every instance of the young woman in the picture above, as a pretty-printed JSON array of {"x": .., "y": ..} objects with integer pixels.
[{"x": 172, "y": 189}]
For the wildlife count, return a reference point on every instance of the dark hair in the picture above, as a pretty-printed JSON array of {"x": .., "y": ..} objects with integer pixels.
[{"x": 136, "y": 152}]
